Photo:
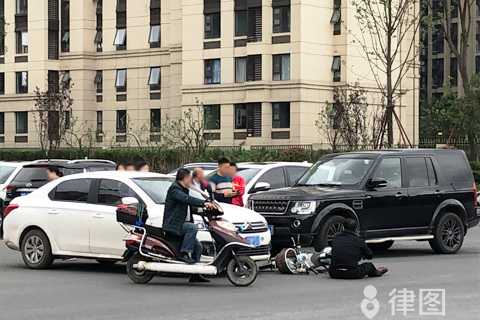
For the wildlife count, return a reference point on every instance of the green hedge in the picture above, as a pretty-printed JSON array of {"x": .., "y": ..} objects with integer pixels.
[{"x": 164, "y": 160}]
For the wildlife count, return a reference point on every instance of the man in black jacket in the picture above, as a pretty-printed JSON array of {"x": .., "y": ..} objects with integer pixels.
[
  {"x": 177, "y": 218},
  {"x": 347, "y": 251}
]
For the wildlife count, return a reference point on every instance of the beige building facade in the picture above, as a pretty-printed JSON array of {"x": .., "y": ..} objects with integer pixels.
[{"x": 259, "y": 70}]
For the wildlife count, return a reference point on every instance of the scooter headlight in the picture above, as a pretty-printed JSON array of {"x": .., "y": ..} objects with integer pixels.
[
  {"x": 304, "y": 207},
  {"x": 227, "y": 225}
]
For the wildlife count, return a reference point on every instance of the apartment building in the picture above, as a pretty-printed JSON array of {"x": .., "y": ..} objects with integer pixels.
[
  {"x": 439, "y": 68},
  {"x": 260, "y": 71}
]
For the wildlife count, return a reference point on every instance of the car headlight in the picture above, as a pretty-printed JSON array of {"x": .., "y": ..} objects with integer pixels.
[
  {"x": 227, "y": 225},
  {"x": 304, "y": 207}
]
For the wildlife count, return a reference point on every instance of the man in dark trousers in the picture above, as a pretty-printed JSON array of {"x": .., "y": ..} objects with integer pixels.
[
  {"x": 178, "y": 220},
  {"x": 347, "y": 251}
]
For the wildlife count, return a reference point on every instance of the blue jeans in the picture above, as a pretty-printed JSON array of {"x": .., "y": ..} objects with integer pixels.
[{"x": 190, "y": 243}]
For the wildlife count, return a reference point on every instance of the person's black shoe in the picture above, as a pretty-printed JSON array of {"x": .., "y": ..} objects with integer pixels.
[
  {"x": 186, "y": 258},
  {"x": 198, "y": 278}
]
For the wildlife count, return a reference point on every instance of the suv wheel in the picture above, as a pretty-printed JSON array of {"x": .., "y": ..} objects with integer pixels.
[
  {"x": 36, "y": 250},
  {"x": 449, "y": 233},
  {"x": 329, "y": 229}
]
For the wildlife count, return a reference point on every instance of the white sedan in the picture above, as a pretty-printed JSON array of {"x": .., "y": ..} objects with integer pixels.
[{"x": 75, "y": 216}]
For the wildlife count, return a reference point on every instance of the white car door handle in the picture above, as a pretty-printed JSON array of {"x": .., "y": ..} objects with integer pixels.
[
  {"x": 53, "y": 211},
  {"x": 98, "y": 216}
]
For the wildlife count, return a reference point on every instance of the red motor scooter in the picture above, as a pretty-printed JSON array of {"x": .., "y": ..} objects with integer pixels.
[{"x": 152, "y": 251}]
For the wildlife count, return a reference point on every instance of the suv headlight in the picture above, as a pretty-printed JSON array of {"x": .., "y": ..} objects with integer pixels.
[{"x": 304, "y": 207}]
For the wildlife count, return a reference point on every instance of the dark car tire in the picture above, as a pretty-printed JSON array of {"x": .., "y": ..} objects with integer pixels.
[
  {"x": 36, "y": 250},
  {"x": 381, "y": 247},
  {"x": 448, "y": 234},
  {"x": 107, "y": 262},
  {"x": 327, "y": 231}
]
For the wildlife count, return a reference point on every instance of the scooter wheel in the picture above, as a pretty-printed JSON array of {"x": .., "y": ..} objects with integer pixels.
[
  {"x": 139, "y": 277},
  {"x": 285, "y": 261},
  {"x": 242, "y": 271}
]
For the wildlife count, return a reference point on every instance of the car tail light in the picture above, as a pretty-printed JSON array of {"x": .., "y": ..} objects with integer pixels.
[
  {"x": 9, "y": 209},
  {"x": 475, "y": 196}
]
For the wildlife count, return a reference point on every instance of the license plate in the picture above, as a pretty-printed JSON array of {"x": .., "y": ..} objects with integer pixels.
[
  {"x": 270, "y": 227},
  {"x": 254, "y": 241}
]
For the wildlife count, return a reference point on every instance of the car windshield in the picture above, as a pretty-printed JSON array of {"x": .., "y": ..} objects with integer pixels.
[
  {"x": 31, "y": 174},
  {"x": 336, "y": 172},
  {"x": 5, "y": 172},
  {"x": 155, "y": 188}
]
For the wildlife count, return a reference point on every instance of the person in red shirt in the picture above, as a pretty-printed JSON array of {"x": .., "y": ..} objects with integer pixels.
[{"x": 238, "y": 183}]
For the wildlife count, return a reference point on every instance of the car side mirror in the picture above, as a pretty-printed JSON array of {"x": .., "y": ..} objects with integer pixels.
[
  {"x": 375, "y": 183},
  {"x": 261, "y": 186},
  {"x": 130, "y": 204}
]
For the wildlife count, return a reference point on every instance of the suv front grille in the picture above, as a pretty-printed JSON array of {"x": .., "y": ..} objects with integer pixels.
[
  {"x": 270, "y": 206},
  {"x": 251, "y": 227}
]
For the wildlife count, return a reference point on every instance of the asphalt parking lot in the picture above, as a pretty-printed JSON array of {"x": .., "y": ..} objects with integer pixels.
[{"x": 82, "y": 289}]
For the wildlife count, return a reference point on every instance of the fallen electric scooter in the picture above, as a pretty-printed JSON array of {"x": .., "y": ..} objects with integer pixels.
[
  {"x": 151, "y": 251},
  {"x": 297, "y": 260}
]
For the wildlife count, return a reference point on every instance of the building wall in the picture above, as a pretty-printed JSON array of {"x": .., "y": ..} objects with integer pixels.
[{"x": 181, "y": 57}]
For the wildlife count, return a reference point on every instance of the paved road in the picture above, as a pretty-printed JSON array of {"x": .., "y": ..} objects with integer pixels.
[{"x": 86, "y": 290}]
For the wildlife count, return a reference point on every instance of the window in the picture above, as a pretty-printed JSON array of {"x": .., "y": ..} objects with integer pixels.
[
  {"x": 281, "y": 67},
  {"x": 454, "y": 8},
  {"x": 294, "y": 174},
  {"x": 120, "y": 39},
  {"x": 2, "y": 123},
  {"x": 241, "y": 24},
  {"x": 211, "y": 117},
  {"x": 22, "y": 42},
  {"x": 53, "y": 80},
  {"x": 66, "y": 78},
  {"x": 2, "y": 83},
  {"x": 248, "y": 117},
  {"x": 417, "y": 172},
  {"x": 275, "y": 177},
  {"x": 111, "y": 192},
  {"x": 390, "y": 169},
  {"x": 154, "y": 79},
  {"x": 437, "y": 73},
  {"x": 99, "y": 122},
  {"x": 432, "y": 175},
  {"x": 154, "y": 37},
  {"x": 336, "y": 19},
  {"x": 240, "y": 69},
  {"x": 2, "y": 28},
  {"x": 76, "y": 190},
  {"x": 21, "y": 122},
  {"x": 99, "y": 27},
  {"x": 211, "y": 10},
  {"x": 254, "y": 68},
  {"x": 337, "y": 68},
  {"x": 437, "y": 39},
  {"x": 454, "y": 33},
  {"x": 65, "y": 25},
  {"x": 281, "y": 16},
  {"x": 99, "y": 81},
  {"x": 155, "y": 17},
  {"x": 281, "y": 115},
  {"x": 121, "y": 80},
  {"x": 212, "y": 71},
  {"x": 21, "y": 7},
  {"x": 453, "y": 72},
  {"x": 121, "y": 35},
  {"x": 155, "y": 120},
  {"x": 22, "y": 82},
  {"x": 121, "y": 121},
  {"x": 254, "y": 21}
]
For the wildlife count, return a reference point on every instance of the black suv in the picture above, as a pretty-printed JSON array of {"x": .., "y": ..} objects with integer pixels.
[{"x": 393, "y": 195}]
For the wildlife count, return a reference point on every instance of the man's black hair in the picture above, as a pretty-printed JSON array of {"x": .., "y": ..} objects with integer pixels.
[
  {"x": 350, "y": 224},
  {"x": 140, "y": 163},
  {"x": 233, "y": 164},
  {"x": 55, "y": 170},
  {"x": 182, "y": 173},
  {"x": 223, "y": 160}
]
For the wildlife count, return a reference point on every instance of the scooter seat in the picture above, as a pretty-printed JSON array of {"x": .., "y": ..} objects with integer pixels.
[{"x": 172, "y": 240}]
